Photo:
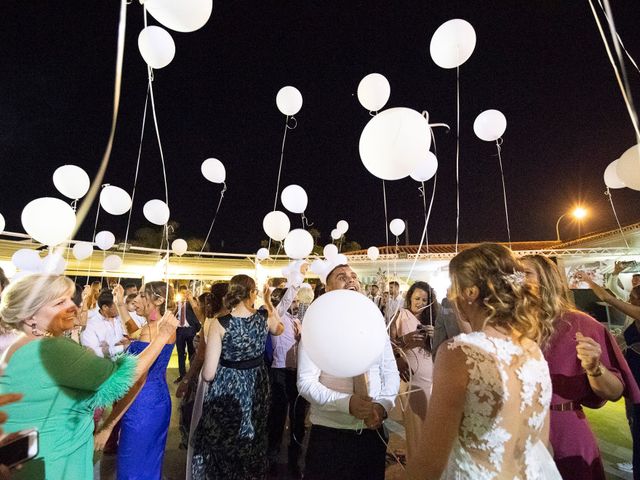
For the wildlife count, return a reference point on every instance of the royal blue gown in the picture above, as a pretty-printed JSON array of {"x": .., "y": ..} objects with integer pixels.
[{"x": 143, "y": 435}]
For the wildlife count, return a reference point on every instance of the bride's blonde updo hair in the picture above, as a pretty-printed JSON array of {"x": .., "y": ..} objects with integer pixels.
[{"x": 509, "y": 300}]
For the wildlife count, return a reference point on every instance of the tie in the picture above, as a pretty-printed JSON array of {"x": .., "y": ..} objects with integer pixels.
[{"x": 183, "y": 308}]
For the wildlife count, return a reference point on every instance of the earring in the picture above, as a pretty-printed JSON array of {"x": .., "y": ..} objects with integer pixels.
[
  {"x": 470, "y": 302},
  {"x": 34, "y": 330}
]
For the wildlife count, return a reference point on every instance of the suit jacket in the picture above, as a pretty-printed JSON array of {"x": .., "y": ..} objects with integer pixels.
[{"x": 192, "y": 319}]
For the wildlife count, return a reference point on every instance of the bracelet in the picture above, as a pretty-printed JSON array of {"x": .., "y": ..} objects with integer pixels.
[{"x": 596, "y": 372}]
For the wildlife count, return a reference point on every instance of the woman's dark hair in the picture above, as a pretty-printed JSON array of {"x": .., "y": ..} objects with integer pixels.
[
  {"x": 4, "y": 281},
  {"x": 158, "y": 290},
  {"x": 276, "y": 296},
  {"x": 77, "y": 296},
  {"x": 213, "y": 301},
  {"x": 240, "y": 288},
  {"x": 428, "y": 315}
]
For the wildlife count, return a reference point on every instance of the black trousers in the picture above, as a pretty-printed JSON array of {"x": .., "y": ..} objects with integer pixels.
[
  {"x": 184, "y": 344},
  {"x": 284, "y": 399},
  {"x": 345, "y": 454}
]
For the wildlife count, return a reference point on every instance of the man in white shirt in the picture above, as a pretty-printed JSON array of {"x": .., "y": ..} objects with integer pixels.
[
  {"x": 394, "y": 303},
  {"x": 347, "y": 440},
  {"x": 103, "y": 333}
]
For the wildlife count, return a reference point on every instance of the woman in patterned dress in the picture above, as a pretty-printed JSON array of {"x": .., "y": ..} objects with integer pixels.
[{"x": 230, "y": 441}]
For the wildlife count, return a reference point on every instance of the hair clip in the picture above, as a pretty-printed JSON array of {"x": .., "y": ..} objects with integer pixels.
[{"x": 515, "y": 278}]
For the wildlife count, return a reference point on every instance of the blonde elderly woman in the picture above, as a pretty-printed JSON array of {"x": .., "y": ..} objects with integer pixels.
[{"x": 61, "y": 381}]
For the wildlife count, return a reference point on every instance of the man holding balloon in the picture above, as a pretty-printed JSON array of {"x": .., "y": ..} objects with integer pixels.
[{"x": 347, "y": 372}]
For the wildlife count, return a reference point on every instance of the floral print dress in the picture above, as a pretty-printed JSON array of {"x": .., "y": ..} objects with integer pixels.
[{"x": 230, "y": 441}]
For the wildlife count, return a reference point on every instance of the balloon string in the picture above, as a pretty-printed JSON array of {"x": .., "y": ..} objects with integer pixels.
[
  {"x": 618, "y": 36},
  {"x": 608, "y": 194},
  {"x": 386, "y": 224},
  {"x": 97, "y": 181},
  {"x": 284, "y": 139},
  {"x": 93, "y": 239},
  {"x": 424, "y": 230},
  {"x": 504, "y": 189},
  {"x": 624, "y": 88},
  {"x": 457, "y": 156},
  {"x": 224, "y": 189},
  {"x": 305, "y": 221}
]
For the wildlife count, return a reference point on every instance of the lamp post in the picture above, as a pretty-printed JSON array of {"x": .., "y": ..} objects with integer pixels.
[{"x": 578, "y": 213}]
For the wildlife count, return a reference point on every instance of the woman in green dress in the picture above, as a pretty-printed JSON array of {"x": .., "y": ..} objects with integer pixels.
[{"x": 62, "y": 382}]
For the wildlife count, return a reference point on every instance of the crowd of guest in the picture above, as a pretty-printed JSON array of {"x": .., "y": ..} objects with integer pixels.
[{"x": 516, "y": 364}]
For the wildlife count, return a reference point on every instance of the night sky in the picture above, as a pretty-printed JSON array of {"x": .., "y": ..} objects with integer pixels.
[{"x": 542, "y": 63}]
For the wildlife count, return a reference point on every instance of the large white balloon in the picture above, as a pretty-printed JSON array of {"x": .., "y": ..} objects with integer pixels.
[
  {"x": 298, "y": 244},
  {"x": 213, "y": 170},
  {"x": 27, "y": 260},
  {"x": 48, "y": 220},
  {"x": 373, "y": 253},
  {"x": 276, "y": 225},
  {"x": 316, "y": 266},
  {"x": 105, "y": 240},
  {"x": 452, "y": 43},
  {"x": 330, "y": 251},
  {"x": 71, "y": 181},
  {"x": 2, "y": 223},
  {"x": 426, "y": 168},
  {"x": 115, "y": 200},
  {"x": 156, "y": 211},
  {"x": 342, "y": 226},
  {"x": 374, "y": 91},
  {"x": 335, "y": 234},
  {"x": 294, "y": 198},
  {"x": 393, "y": 143},
  {"x": 82, "y": 250},
  {"x": 182, "y": 15},
  {"x": 344, "y": 333},
  {"x": 490, "y": 125},
  {"x": 289, "y": 100},
  {"x": 179, "y": 246},
  {"x": 396, "y": 226},
  {"x": 53, "y": 264},
  {"x": 112, "y": 262},
  {"x": 628, "y": 168},
  {"x": 262, "y": 254},
  {"x": 611, "y": 178},
  {"x": 156, "y": 46}
]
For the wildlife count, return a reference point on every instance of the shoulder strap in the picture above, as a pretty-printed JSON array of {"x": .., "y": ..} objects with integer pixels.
[{"x": 224, "y": 321}]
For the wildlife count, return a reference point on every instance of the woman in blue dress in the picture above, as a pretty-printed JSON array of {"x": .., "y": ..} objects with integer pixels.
[
  {"x": 146, "y": 409},
  {"x": 230, "y": 441}
]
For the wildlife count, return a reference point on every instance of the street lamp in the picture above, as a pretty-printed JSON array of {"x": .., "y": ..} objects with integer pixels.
[{"x": 578, "y": 213}]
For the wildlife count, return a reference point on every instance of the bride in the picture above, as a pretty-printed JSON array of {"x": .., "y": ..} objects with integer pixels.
[{"x": 489, "y": 411}]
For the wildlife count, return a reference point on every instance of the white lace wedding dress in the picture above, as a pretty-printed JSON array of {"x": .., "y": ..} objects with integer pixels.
[{"x": 506, "y": 405}]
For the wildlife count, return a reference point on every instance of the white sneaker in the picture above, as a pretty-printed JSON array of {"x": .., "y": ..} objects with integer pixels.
[{"x": 625, "y": 467}]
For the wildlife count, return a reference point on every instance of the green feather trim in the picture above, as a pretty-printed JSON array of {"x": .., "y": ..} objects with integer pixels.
[{"x": 118, "y": 383}]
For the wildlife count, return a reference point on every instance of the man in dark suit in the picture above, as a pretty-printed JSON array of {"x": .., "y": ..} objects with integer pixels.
[{"x": 187, "y": 314}]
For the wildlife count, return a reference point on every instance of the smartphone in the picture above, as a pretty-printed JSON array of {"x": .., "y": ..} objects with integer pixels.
[{"x": 20, "y": 447}]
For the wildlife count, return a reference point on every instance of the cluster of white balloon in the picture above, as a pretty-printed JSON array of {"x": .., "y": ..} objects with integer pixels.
[
  {"x": 342, "y": 227},
  {"x": 624, "y": 171}
]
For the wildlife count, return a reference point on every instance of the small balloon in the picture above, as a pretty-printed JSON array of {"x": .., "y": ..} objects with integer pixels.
[
  {"x": 374, "y": 91},
  {"x": 289, "y": 100},
  {"x": 316, "y": 266},
  {"x": 2, "y": 223},
  {"x": 276, "y": 225},
  {"x": 426, "y": 168},
  {"x": 397, "y": 226},
  {"x": 105, "y": 240},
  {"x": 71, "y": 181},
  {"x": 156, "y": 46},
  {"x": 330, "y": 251},
  {"x": 82, "y": 250},
  {"x": 341, "y": 259},
  {"x": 373, "y": 253},
  {"x": 115, "y": 200},
  {"x": 156, "y": 211},
  {"x": 452, "y": 43},
  {"x": 213, "y": 170},
  {"x": 611, "y": 178},
  {"x": 112, "y": 262},
  {"x": 262, "y": 254},
  {"x": 179, "y": 247},
  {"x": 48, "y": 220},
  {"x": 628, "y": 168},
  {"x": 181, "y": 16},
  {"x": 490, "y": 125},
  {"x": 294, "y": 198},
  {"x": 342, "y": 226},
  {"x": 335, "y": 234},
  {"x": 27, "y": 260},
  {"x": 298, "y": 244},
  {"x": 53, "y": 264}
]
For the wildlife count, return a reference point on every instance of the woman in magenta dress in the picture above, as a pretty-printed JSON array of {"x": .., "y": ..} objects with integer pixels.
[{"x": 587, "y": 369}]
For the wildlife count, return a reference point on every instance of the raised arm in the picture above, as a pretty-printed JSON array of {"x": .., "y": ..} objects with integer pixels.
[
  {"x": 625, "y": 307},
  {"x": 129, "y": 324},
  {"x": 276, "y": 327}
]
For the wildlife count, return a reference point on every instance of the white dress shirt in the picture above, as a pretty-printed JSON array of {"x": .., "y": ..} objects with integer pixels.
[
  {"x": 393, "y": 307},
  {"x": 284, "y": 345},
  {"x": 138, "y": 319},
  {"x": 100, "y": 331},
  {"x": 330, "y": 408}
]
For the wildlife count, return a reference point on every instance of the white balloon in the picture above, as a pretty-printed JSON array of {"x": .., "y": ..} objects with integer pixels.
[
  {"x": 2, "y": 223},
  {"x": 341, "y": 259},
  {"x": 362, "y": 334},
  {"x": 53, "y": 264},
  {"x": 112, "y": 262},
  {"x": 628, "y": 168},
  {"x": 262, "y": 254},
  {"x": 342, "y": 226},
  {"x": 115, "y": 200},
  {"x": 82, "y": 250},
  {"x": 181, "y": 16},
  {"x": 335, "y": 234},
  {"x": 156, "y": 211},
  {"x": 298, "y": 244},
  {"x": 179, "y": 246},
  {"x": 374, "y": 91},
  {"x": 71, "y": 181},
  {"x": 213, "y": 170},
  {"x": 316, "y": 266},
  {"x": 105, "y": 240},
  {"x": 373, "y": 253},
  {"x": 330, "y": 251},
  {"x": 289, "y": 100},
  {"x": 27, "y": 260},
  {"x": 452, "y": 43},
  {"x": 611, "y": 178},
  {"x": 48, "y": 220},
  {"x": 490, "y": 125},
  {"x": 156, "y": 46},
  {"x": 426, "y": 168},
  {"x": 393, "y": 143},
  {"x": 396, "y": 226},
  {"x": 294, "y": 198},
  {"x": 276, "y": 225}
]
